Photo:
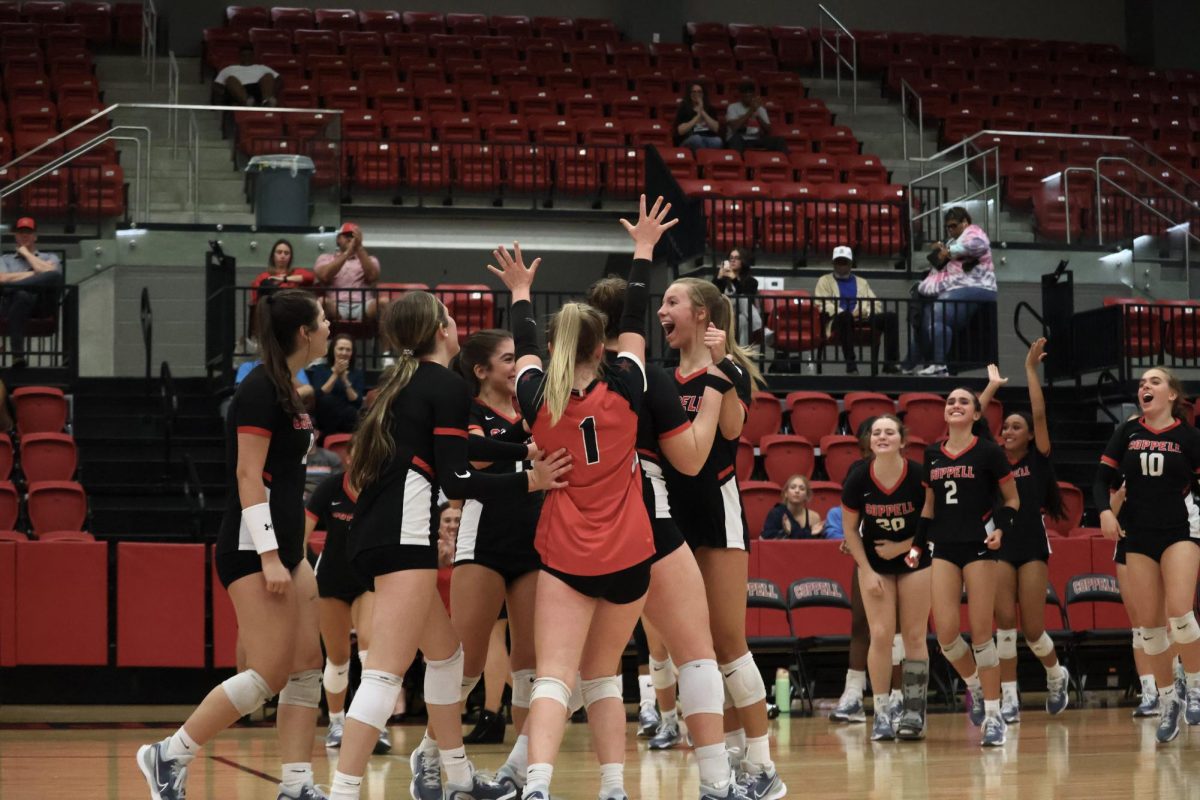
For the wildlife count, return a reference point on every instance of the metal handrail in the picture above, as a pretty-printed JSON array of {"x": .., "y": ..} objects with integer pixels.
[
  {"x": 194, "y": 165},
  {"x": 839, "y": 59},
  {"x": 1144, "y": 173},
  {"x": 965, "y": 164},
  {"x": 905, "y": 90},
  {"x": 173, "y": 99},
  {"x": 150, "y": 40}
]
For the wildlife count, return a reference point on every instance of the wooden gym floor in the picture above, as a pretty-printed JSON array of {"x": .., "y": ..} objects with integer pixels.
[{"x": 1091, "y": 753}]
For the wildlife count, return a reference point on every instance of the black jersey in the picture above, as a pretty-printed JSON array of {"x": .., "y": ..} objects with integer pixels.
[
  {"x": 964, "y": 489},
  {"x": 429, "y": 420},
  {"x": 331, "y": 508},
  {"x": 719, "y": 467},
  {"x": 1160, "y": 469},
  {"x": 1034, "y": 474},
  {"x": 256, "y": 411},
  {"x": 887, "y": 513}
]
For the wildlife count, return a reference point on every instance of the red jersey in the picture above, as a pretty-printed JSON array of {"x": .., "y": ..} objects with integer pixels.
[{"x": 598, "y": 523}]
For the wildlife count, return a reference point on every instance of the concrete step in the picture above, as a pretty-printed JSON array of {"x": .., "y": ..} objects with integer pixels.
[{"x": 219, "y": 192}]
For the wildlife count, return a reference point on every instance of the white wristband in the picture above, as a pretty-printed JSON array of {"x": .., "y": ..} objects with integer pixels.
[{"x": 257, "y": 519}]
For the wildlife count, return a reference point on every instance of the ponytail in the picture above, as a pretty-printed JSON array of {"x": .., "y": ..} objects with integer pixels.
[
  {"x": 280, "y": 315},
  {"x": 575, "y": 333}
]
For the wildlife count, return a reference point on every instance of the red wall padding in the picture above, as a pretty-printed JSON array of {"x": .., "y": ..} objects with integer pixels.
[
  {"x": 754, "y": 615},
  {"x": 8, "y": 604},
  {"x": 160, "y": 605},
  {"x": 62, "y": 603},
  {"x": 224, "y": 625}
]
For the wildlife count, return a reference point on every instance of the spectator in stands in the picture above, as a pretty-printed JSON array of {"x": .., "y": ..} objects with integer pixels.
[
  {"x": 735, "y": 281},
  {"x": 303, "y": 386},
  {"x": 28, "y": 282},
  {"x": 791, "y": 518},
  {"x": 247, "y": 83},
  {"x": 449, "y": 517},
  {"x": 852, "y": 308},
  {"x": 747, "y": 123},
  {"x": 963, "y": 272},
  {"x": 320, "y": 465},
  {"x": 279, "y": 274},
  {"x": 696, "y": 124},
  {"x": 339, "y": 387},
  {"x": 352, "y": 267}
]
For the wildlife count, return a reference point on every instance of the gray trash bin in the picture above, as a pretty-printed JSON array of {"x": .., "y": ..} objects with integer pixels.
[{"x": 281, "y": 190}]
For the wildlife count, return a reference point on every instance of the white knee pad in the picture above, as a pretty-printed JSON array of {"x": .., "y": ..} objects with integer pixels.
[
  {"x": 468, "y": 686},
  {"x": 247, "y": 691},
  {"x": 1041, "y": 646},
  {"x": 1155, "y": 641},
  {"x": 598, "y": 689},
  {"x": 744, "y": 681},
  {"x": 551, "y": 689},
  {"x": 336, "y": 677},
  {"x": 1138, "y": 644},
  {"x": 727, "y": 702},
  {"x": 897, "y": 650},
  {"x": 662, "y": 673},
  {"x": 575, "y": 702},
  {"x": 985, "y": 654},
  {"x": 303, "y": 689},
  {"x": 701, "y": 690},
  {"x": 443, "y": 680},
  {"x": 375, "y": 698},
  {"x": 1006, "y": 643},
  {"x": 1185, "y": 630},
  {"x": 955, "y": 650},
  {"x": 522, "y": 689}
]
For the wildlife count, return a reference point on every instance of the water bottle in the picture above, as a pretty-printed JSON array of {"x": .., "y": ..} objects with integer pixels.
[{"x": 783, "y": 691}]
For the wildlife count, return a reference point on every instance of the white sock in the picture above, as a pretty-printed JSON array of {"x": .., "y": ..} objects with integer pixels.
[
  {"x": 882, "y": 703},
  {"x": 539, "y": 776},
  {"x": 896, "y": 698},
  {"x": 1166, "y": 693},
  {"x": 736, "y": 741},
  {"x": 645, "y": 690},
  {"x": 972, "y": 681},
  {"x": 337, "y": 719},
  {"x": 1149, "y": 687},
  {"x": 518, "y": 759},
  {"x": 345, "y": 787},
  {"x": 428, "y": 745},
  {"x": 362, "y": 658},
  {"x": 458, "y": 769},
  {"x": 714, "y": 766},
  {"x": 612, "y": 779},
  {"x": 180, "y": 747},
  {"x": 758, "y": 753},
  {"x": 1008, "y": 690},
  {"x": 991, "y": 708},
  {"x": 671, "y": 716},
  {"x": 856, "y": 681},
  {"x": 296, "y": 776}
]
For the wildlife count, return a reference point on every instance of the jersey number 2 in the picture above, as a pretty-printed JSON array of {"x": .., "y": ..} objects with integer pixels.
[
  {"x": 591, "y": 447},
  {"x": 951, "y": 493}
]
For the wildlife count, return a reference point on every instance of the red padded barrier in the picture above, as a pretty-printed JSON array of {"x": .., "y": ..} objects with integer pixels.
[
  {"x": 224, "y": 625},
  {"x": 1108, "y": 615},
  {"x": 783, "y": 561},
  {"x": 753, "y": 615},
  {"x": 62, "y": 603},
  {"x": 160, "y": 605},
  {"x": 8, "y": 604}
]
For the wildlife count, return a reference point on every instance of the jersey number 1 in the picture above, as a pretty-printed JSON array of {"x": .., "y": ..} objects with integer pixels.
[{"x": 591, "y": 447}]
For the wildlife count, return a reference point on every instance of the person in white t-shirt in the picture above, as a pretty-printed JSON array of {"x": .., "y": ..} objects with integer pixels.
[
  {"x": 747, "y": 123},
  {"x": 247, "y": 83}
]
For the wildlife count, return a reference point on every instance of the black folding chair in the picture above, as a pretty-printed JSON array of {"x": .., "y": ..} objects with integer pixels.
[{"x": 807, "y": 593}]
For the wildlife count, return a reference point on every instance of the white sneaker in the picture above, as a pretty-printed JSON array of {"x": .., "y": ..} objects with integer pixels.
[{"x": 934, "y": 370}]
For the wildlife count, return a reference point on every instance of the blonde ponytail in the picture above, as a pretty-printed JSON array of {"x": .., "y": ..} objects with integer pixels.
[{"x": 575, "y": 332}]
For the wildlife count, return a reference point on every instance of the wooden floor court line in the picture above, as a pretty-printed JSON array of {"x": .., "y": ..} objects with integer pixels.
[{"x": 257, "y": 773}]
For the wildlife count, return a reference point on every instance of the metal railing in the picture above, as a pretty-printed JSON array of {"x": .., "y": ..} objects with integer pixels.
[
  {"x": 835, "y": 46},
  {"x": 925, "y": 223},
  {"x": 52, "y": 331},
  {"x": 150, "y": 40},
  {"x": 906, "y": 90},
  {"x": 173, "y": 99}
]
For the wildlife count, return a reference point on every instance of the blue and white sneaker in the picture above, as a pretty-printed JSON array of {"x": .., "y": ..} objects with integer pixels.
[
  {"x": 308, "y": 792},
  {"x": 667, "y": 736},
  {"x": 167, "y": 778},
  {"x": 1058, "y": 692},
  {"x": 975, "y": 708},
  {"x": 481, "y": 788},
  {"x": 762, "y": 784},
  {"x": 1148, "y": 707},
  {"x": 426, "y": 776},
  {"x": 536, "y": 794},
  {"x": 883, "y": 731},
  {"x": 849, "y": 709},
  {"x": 734, "y": 791},
  {"x": 333, "y": 739},
  {"x": 1168, "y": 724},
  {"x": 1010, "y": 710},
  {"x": 383, "y": 745},
  {"x": 1191, "y": 713},
  {"x": 507, "y": 777},
  {"x": 648, "y": 720},
  {"x": 993, "y": 732}
]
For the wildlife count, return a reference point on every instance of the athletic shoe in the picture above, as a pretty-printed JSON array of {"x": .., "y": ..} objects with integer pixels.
[
  {"x": 975, "y": 708},
  {"x": 762, "y": 785},
  {"x": 666, "y": 737},
  {"x": 426, "y": 776},
  {"x": 481, "y": 788},
  {"x": 488, "y": 730},
  {"x": 617, "y": 795},
  {"x": 933, "y": 370},
  {"x": 334, "y": 737},
  {"x": 1180, "y": 685},
  {"x": 911, "y": 726},
  {"x": 896, "y": 708},
  {"x": 648, "y": 720},
  {"x": 166, "y": 777},
  {"x": 1168, "y": 725},
  {"x": 1192, "y": 712},
  {"x": 383, "y": 745},
  {"x": 993, "y": 732},
  {"x": 308, "y": 792},
  {"x": 537, "y": 794},
  {"x": 1010, "y": 710},
  {"x": 734, "y": 791},
  {"x": 1148, "y": 707},
  {"x": 507, "y": 776},
  {"x": 883, "y": 730},
  {"x": 849, "y": 709},
  {"x": 1058, "y": 692}
]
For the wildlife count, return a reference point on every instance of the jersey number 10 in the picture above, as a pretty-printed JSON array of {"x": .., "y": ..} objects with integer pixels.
[
  {"x": 1152, "y": 464},
  {"x": 591, "y": 447}
]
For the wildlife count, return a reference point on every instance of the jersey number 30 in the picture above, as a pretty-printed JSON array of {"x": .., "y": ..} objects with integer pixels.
[{"x": 591, "y": 447}]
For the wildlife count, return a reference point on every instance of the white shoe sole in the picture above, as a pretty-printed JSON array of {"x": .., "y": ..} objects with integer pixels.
[{"x": 145, "y": 770}]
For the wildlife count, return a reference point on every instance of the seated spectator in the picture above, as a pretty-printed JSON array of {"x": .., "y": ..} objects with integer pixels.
[
  {"x": 791, "y": 517},
  {"x": 303, "y": 387},
  {"x": 247, "y": 83},
  {"x": 28, "y": 282},
  {"x": 833, "y": 524},
  {"x": 853, "y": 308},
  {"x": 339, "y": 387},
  {"x": 735, "y": 281},
  {"x": 747, "y": 124},
  {"x": 449, "y": 517},
  {"x": 696, "y": 124},
  {"x": 279, "y": 274},
  {"x": 352, "y": 267}
]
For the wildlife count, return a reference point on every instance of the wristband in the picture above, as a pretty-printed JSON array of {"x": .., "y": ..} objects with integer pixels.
[
  {"x": 729, "y": 369},
  {"x": 718, "y": 383},
  {"x": 1006, "y": 519},
  {"x": 257, "y": 520}
]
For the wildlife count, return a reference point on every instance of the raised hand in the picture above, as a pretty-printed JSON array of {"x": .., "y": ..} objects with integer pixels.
[
  {"x": 1036, "y": 354},
  {"x": 650, "y": 226},
  {"x": 994, "y": 375},
  {"x": 513, "y": 272},
  {"x": 714, "y": 340}
]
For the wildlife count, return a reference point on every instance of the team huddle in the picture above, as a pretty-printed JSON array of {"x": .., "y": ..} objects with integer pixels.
[{"x": 598, "y": 491}]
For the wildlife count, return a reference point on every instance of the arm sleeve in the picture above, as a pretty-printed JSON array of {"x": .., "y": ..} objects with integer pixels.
[
  {"x": 637, "y": 296},
  {"x": 529, "y": 390},
  {"x": 627, "y": 377},
  {"x": 921, "y": 538},
  {"x": 1108, "y": 473},
  {"x": 485, "y": 448},
  {"x": 524, "y": 328},
  {"x": 662, "y": 400},
  {"x": 852, "y": 488},
  {"x": 773, "y": 524},
  {"x": 451, "y": 408}
]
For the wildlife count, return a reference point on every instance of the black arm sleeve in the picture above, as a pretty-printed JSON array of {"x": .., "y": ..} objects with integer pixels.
[
  {"x": 922, "y": 536},
  {"x": 1109, "y": 472},
  {"x": 485, "y": 448},
  {"x": 524, "y": 328},
  {"x": 637, "y": 297},
  {"x": 451, "y": 411}
]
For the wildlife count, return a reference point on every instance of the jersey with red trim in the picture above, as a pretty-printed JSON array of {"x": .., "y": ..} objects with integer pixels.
[
  {"x": 598, "y": 523},
  {"x": 1034, "y": 474},
  {"x": 429, "y": 419},
  {"x": 1160, "y": 469},
  {"x": 886, "y": 513},
  {"x": 256, "y": 411},
  {"x": 504, "y": 523},
  {"x": 964, "y": 489},
  {"x": 719, "y": 467}
]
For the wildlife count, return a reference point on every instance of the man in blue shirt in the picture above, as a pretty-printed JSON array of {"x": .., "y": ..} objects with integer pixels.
[
  {"x": 849, "y": 306},
  {"x": 26, "y": 276}
]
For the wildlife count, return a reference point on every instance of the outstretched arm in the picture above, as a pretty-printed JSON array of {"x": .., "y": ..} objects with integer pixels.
[
  {"x": 1037, "y": 401},
  {"x": 645, "y": 234},
  {"x": 995, "y": 381},
  {"x": 519, "y": 280}
]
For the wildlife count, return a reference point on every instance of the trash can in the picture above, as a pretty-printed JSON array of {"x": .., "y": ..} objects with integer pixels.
[{"x": 281, "y": 190}]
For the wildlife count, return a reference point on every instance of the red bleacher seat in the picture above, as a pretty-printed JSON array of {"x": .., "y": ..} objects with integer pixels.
[
  {"x": 339, "y": 443},
  {"x": 56, "y": 506},
  {"x": 839, "y": 453},
  {"x": 472, "y": 305},
  {"x": 66, "y": 536},
  {"x": 551, "y": 129},
  {"x": 100, "y": 191},
  {"x": 795, "y": 319},
  {"x": 6, "y": 457},
  {"x": 61, "y": 603},
  {"x": 48, "y": 457},
  {"x": 863, "y": 169},
  {"x": 40, "y": 409},
  {"x": 424, "y": 22},
  {"x": 812, "y": 415},
  {"x": 10, "y": 505},
  {"x": 456, "y": 127},
  {"x": 8, "y": 536},
  {"x": 336, "y": 19},
  {"x": 1181, "y": 328},
  {"x": 96, "y": 20},
  {"x": 768, "y": 166},
  {"x": 285, "y": 18},
  {"x": 825, "y": 495},
  {"x": 720, "y": 165},
  {"x": 785, "y": 455},
  {"x": 758, "y": 498},
  {"x": 924, "y": 414},
  {"x": 861, "y": 406},
  {"x": 815, "y": 168},
  {"x": 763, "y": 417}
]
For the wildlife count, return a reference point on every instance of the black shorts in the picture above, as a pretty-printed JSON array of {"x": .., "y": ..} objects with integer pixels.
[
  {"x": 240, "y": 563},
  {"x": 714, "y": 520},
  {"x": 618, "y": 588},
  {"x": 961, "y": 554},
  {"x": 395, "y": 558},
  {"x": 1153, "y": 545},
  {"x": 667, "y": 538},
  {"x": 337, "y": 579},
  {"x": 893, "y": 566},
  {"x": 1119, "y": 552},
  {"x": 509, "y": 566},
  {"x": 1021, "y": 547}
]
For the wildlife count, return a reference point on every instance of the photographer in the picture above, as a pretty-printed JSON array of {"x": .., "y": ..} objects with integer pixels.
[{"x": 735, "y": 282}]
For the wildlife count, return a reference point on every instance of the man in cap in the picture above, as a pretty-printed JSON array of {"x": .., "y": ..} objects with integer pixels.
[
  {"x": 846, "y": 303},
  {"x": 352, "y": 267},
  {"x": 27, "y": 280}
]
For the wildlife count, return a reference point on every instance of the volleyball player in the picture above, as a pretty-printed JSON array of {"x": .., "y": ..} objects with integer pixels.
[
  {"x": 882, "y": 499},
  {"x": 260, "y": 560},
  {"x": 674, "y": 626},
  {"x": 712, "y": 520},
  {"x": 412, "y": 443},
  {"x": 964, "y": 531},
  {"x": 1159, "y": 456},
  {"x": 1022, "y": 570}
]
